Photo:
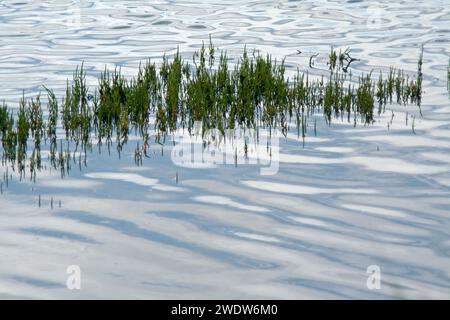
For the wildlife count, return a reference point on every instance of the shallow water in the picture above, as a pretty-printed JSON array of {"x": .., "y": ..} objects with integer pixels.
[{"x": 351, "y": 198}]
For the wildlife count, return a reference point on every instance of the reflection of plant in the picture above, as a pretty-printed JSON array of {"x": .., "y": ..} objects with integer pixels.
[
  {"x": 448, "y": 78},
  {"x": 253, "y": 93}
]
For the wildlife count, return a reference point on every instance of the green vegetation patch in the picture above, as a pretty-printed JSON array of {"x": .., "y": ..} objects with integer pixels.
[{"x": 252, "y": 93}]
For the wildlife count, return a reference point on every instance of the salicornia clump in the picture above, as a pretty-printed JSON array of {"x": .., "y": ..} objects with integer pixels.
[{"x": 254, "y": 92}]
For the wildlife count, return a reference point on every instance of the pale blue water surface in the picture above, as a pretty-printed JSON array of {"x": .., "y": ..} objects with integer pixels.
[{"x": 351, "y": 198}]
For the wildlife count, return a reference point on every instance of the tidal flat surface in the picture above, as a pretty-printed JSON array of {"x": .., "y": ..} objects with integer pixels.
[{"x": 350, "y": 198}]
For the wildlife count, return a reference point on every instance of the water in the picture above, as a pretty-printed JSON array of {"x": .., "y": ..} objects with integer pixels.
[{"x": 352, "y": 198}]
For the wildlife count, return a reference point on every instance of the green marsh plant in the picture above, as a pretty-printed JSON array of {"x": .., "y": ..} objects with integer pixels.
[{"x": 254, "y": 92}]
